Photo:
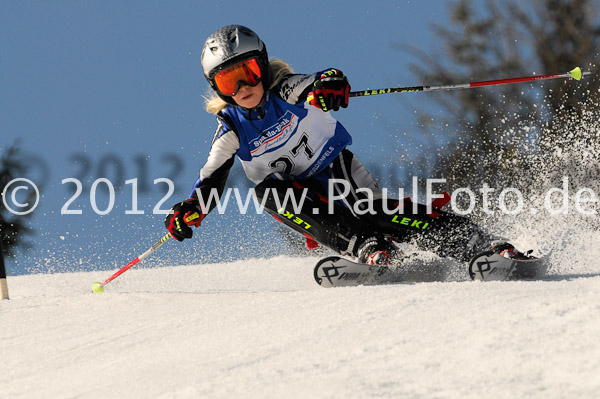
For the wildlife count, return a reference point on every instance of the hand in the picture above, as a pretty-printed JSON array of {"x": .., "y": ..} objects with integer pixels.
[
  {"x": 330, "y": 91},
  {"x": 183, "y": 215}
]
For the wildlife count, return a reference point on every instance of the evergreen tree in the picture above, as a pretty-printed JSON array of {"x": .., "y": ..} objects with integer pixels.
[
  {"x": 12, "y": 227},
  {"x": 492, "y": 130}
]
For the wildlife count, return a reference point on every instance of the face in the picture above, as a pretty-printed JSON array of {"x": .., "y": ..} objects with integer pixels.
[{"x": 248, "y": 96}]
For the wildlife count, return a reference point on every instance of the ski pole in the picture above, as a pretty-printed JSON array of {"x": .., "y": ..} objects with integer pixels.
[
  {"x": 575, "y": 74},
  {"x": 98, "y": 287}
]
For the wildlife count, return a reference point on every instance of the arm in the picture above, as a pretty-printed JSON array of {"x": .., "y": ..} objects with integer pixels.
[
  {"x": 295, "y": 88},
  {"x": 215, "y": 171},
  {"x": 328, "y": 89},
  {"x": 209, "y": 187}
]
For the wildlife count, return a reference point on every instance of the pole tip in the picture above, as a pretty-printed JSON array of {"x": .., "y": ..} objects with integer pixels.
[
  {"x": 97, "y": 288},
  {"x": 576, "y": 73}
]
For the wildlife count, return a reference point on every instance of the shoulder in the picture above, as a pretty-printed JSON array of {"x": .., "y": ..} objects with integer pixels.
[{"x": 225, "y": 124}]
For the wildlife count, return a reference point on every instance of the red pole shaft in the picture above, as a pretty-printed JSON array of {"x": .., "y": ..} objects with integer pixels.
[
  {"x": 518, "y": 80},
  {"x": 137, "y": 260},
  {"x": 122, "y": 270}
]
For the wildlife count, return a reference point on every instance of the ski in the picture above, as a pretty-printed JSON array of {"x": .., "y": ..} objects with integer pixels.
[
  {"x": 492, "y": 266},
  {"x": 334, "y": 271}
]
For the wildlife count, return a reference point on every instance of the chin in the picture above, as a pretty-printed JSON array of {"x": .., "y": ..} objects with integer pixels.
[{"x": 249, "y": 104}]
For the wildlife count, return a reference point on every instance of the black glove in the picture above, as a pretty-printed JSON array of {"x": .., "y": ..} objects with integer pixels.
[
  {"x": 330, "y": 91},
  {"x": 183, "y": 215}
]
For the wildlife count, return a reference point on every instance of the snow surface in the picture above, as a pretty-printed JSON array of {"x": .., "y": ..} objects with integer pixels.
[{"x": 262, "y": 328}]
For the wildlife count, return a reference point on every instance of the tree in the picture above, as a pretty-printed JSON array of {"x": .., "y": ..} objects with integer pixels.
[
  {"x": 500, "y": 135},
  {"x": 12, "y": 227}
]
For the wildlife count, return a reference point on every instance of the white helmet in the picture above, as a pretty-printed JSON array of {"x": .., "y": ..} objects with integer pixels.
[{"x": 229, "y": 45}]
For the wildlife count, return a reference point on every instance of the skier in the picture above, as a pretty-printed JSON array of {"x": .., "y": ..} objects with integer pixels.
[{"x": 279, "y": 125}]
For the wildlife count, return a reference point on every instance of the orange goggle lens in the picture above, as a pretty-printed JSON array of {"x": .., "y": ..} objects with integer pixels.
[{"x": 228, "y": 80}]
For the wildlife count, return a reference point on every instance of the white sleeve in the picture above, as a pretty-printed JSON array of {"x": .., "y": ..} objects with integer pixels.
[
  {"x": 215, "y": 171},
  {"x": 223, "y": 149},
  {"x": 293, "y": 89}
]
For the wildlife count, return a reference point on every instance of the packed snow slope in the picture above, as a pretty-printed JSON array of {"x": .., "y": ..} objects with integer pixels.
[{"x": 262, "y": 328}]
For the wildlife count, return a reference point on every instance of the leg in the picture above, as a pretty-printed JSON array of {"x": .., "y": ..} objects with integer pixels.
[
  {"x": 338, "y": 231},
  {"x": 443, "y": 233}
]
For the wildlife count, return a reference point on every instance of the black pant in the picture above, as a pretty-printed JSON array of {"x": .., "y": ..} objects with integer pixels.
[{"x": 443, "y": 233}]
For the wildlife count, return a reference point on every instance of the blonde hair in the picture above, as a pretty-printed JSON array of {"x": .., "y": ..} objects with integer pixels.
[{"x": 279, "y": 69}]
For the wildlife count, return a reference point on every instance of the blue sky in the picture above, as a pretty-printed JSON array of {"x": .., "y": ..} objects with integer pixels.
[{"x": 115, "y": 88}]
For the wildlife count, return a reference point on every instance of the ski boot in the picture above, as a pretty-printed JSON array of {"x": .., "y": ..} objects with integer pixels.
[
  {"x": 377, "y": 251},
  {"x": 507, "y": 250}
]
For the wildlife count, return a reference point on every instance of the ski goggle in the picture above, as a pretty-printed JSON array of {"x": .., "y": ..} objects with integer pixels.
[{"x": 229, "y": 80}]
